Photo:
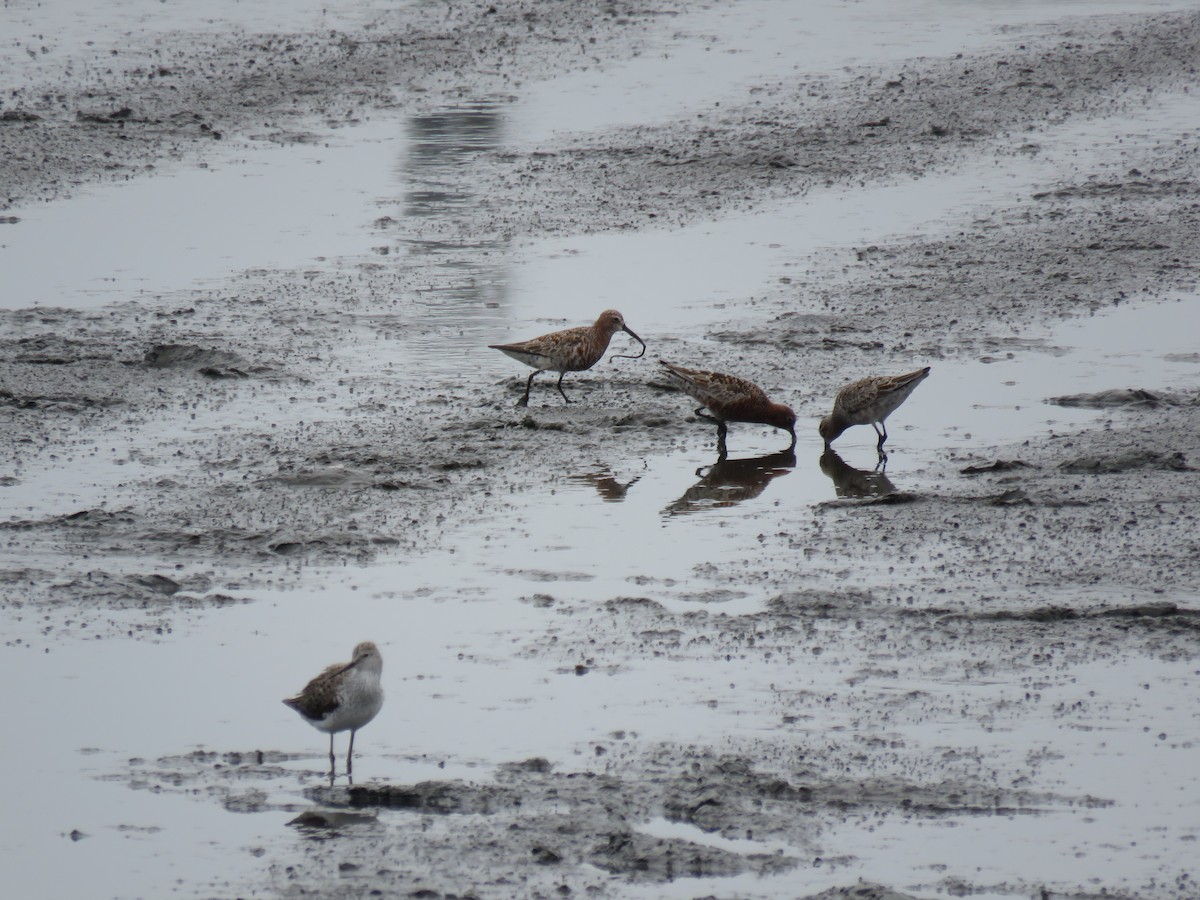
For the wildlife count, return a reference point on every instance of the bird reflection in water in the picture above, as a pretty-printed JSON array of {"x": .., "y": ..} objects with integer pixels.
[
  {"x": 730, "y": 481},
  {"x": 606, "y": 484},
  {"x": 850, "y": 482}
]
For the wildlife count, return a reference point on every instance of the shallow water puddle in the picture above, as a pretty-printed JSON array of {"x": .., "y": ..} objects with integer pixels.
[
  {"x": 458, "y": 688},
  {"x": 123, "y": 842},
  {"x": 465, "y": 286},
  {"x": 454, "y": 628},
  {"x": 681, "y": 283},
  {"x": 1000, "y": 399},
  {"x": 724, "y": 51},
  {"x": 317, "y": 201},
  {"x": 280, "y": 205},
  {"x": 930, "y": 855},
  {"x": 964, "y": 406},
  {"x": 1131, "y": 773}
]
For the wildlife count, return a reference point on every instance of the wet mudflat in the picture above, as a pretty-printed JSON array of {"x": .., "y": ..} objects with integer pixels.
[{"x": 616, "y": 664}]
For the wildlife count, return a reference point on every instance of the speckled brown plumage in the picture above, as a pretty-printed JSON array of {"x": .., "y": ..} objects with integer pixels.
[
  {"x": 869, "y": 401},
  {"x": 570, "y": 350},
  {"x": 344, "y": 697},
  {"x": 319, "y": 697},
  {"x": 731, "y": 399}
]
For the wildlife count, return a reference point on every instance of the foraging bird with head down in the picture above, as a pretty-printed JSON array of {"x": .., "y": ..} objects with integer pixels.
[
  {"x": 731, "y": 399},
  {"x": 869, "y": 401},
  {"x": 570, "y": 350}
]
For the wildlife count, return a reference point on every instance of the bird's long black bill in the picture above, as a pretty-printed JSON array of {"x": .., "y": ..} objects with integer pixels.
[{"x": 629, "y": 331}]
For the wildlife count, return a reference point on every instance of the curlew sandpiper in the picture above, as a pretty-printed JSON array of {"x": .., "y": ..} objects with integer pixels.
[
  {"x": 869, "y": 401},
  {"x": 731, "y": 399},
  {"x": 571, "y": 350}
]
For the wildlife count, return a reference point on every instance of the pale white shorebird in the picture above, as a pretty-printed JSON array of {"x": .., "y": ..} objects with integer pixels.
[
  {"x": 345, "y": 697},
  {"x": 869, "y": 401}
]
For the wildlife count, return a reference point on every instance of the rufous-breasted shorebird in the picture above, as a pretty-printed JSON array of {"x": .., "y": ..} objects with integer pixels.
[{"x": 570, "y": 350}]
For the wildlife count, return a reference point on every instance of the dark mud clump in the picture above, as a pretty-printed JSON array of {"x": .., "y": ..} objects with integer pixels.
[
  {"x": 862, "y": 891},
  {"x": 1129, "y": 461},
  {"x": 1000, "y": 465},
  {"x": 555, "y": 828},
  {"x": 211, "y": 363},
  {"x": 1116, "y": 398},
  {"x": 97, "y": 603}
]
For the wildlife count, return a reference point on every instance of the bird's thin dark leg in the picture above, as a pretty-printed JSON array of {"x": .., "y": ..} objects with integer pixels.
[
  {"x": 524, "y": 401},
  {"x": 721, "y": 432},
  {"x": 560, "y": 390},
  {"x": 879, "y": 446},
  {"x": 350, "y": 755},
  {"x": 332, "y": 761}
]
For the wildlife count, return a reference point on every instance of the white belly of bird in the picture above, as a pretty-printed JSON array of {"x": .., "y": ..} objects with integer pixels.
[{"x": 359, "y": 700}]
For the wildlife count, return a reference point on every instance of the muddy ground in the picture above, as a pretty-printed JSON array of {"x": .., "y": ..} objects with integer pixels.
[{"x": 1020, "y": 563}]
